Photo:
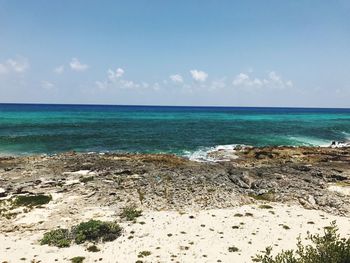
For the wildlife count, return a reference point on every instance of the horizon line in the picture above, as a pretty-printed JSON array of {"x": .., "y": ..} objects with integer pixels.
[{"x": 173, "y": 106}]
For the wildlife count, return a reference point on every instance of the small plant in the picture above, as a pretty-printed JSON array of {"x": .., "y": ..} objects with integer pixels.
[
  {"x": 130, "y": 213},
  {"x": 31, "y": 200},
  {"x": 233, "y": 249},
  {"x": 57, "y": 237},
  {"x": 329, "y": 248},
  {"x": 248, "y": 214},
  {"x": 77, "y": 259},
  {"x": 286, "y": 227},
  {"x": 144, "y": 254},
  {"x": 238, "y": 215},
  {"x": 265, "y": 207},
  {"x": 93, "y": 248}
]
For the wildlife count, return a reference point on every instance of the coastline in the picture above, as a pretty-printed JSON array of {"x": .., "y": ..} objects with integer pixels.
[{"x": 300, "y": 184}]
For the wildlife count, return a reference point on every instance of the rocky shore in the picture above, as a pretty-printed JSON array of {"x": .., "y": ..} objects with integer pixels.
[{"x": 85, "y": 186}]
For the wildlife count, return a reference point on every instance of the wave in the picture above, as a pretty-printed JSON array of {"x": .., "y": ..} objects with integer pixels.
[
  {"x": 346, "y": 135},
  {"x": 217, "y": 153},
  {"x": 309, "y": 141}
]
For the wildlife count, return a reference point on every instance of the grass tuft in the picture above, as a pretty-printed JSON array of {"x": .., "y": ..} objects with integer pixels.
[{"x": 130, "y": 213}]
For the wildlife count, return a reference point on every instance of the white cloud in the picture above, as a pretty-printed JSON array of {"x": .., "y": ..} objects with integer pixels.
[
  {"x": 273, "y": 80},
  {"x": 114, "y": 80},
  {"x": 47, "y": 85},
  {"x": 240, "y": 79},
  {"x": 76, "y": 65},
  {"x": 59, "y": 69},
  {"x": 198, "y": 75},
  {"x": 115, "y": 74},
  {"x": 128, "y": 84},
  {"x": 176, "y": 78},
  {"x": 18, "y": 65}
]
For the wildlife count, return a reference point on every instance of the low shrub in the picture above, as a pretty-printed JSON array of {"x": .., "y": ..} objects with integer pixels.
[
  {"x": 265, "y": 207},
  {"x": 32, "y": 200},
  {"x": 233, "y": 249},
  {"x": 144, "y": 254},
  {"x": 92, "y": 230},
  {"x": 328, "y": 248},
  {"x": 57, "y": 237},
  {"x": 130, "y": 213},
  {"x": 93, "y": 248},
  {"x": 96, "y": 230},
  {"x": 77, "y": 259}
]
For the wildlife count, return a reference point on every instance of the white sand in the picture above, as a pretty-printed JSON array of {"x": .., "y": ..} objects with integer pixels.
[{"x": 171, "y": 236}]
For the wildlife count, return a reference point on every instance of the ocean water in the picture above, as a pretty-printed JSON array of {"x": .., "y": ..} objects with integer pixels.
[{"x": 37, "y": 129}]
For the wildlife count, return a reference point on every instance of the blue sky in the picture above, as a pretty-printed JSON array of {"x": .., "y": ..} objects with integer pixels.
[{"x": 162, "y": 52}]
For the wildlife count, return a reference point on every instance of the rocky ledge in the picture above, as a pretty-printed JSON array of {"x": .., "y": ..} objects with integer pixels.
[{"x": 316, "y": 178}]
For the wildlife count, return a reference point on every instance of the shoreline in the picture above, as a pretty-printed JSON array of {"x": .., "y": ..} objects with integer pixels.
[
  {"x": 187, "y": 154},
  {"x": 267, "y": 188}
]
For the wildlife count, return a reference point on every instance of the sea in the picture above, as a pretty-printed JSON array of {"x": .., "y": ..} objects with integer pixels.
[{"x": 27, "y": 129}]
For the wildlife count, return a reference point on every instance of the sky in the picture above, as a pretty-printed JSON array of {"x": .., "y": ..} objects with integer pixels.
[{"x": 186, "y": 52}]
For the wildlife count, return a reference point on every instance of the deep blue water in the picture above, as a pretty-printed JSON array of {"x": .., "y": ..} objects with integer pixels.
[{"x": 29, "y": 128}]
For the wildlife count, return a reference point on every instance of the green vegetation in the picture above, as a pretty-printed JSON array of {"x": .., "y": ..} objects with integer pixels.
[
  {"x": 144, "y": 254},
  {"x": 233, "y": 249},
  {"x": 31, "y": 200},
  {"x": 57, "y": 237},
  {"x": 130, "y": 213},
  {"x": 328, "y": 248},
  {"x": 286, "y": 227},
  {"x": 96, "y": 230},
  {"x": 265, "y": 207},
  {"x": 92, "y": 230},
  {"x": 77, "y": 259},
  {"x": 93, "y": 248}
]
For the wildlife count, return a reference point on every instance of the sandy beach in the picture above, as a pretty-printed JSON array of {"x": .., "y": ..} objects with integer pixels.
[{"x": 172, "y": 236}]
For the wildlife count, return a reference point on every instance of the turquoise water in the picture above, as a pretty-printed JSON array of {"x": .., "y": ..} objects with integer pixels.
[{"x": 29, "y": 129}]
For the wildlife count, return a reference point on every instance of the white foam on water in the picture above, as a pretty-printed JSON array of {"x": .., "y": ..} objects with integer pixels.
[
  {"x": 309, "y": 141},
  {"x": 347, "y": 135},
  {"x": 207, "y": 154}
]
